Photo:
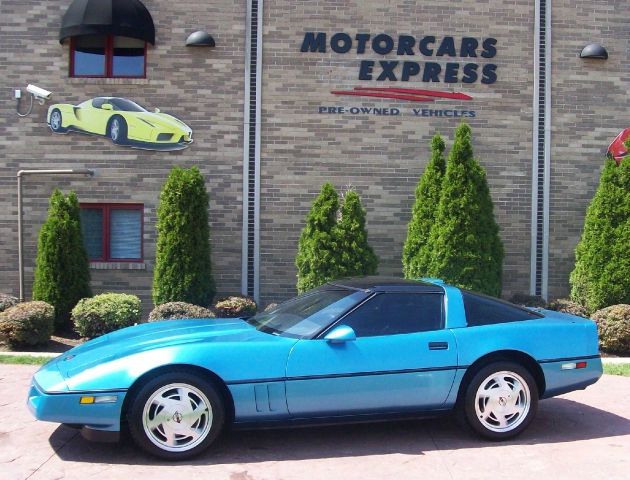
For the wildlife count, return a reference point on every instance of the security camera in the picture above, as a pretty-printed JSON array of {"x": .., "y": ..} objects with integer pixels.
[{"x": 39, "y": 93}]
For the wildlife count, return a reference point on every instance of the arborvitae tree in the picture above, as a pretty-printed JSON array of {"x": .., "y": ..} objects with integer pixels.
[
  {"x": 464, "y": 243},
  {"x": 416, "y": 257},
  {"x": 357, "y": 257},
  {"x": 602, "y": 269},
  {"x": 62, "y": 275},
  {"x": 183, "y": 271},
  {"x": 318, "y": 256}
]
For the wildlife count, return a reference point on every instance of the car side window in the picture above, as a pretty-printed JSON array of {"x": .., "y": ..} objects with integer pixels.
[{"x": 396, "y": 313}]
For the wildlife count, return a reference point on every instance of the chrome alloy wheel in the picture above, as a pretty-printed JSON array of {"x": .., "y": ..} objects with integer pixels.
[
  {"x": 55, "y": 120},
  {"x": 502, "y": 401},
  {"x": 177, "y": 417}
]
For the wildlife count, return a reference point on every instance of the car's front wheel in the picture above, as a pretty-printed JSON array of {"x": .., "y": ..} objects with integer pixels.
[
  {"x": 176, "y": 416},
  {"x": 118, "y": 130},
  {"x": 500, "y": 401}
]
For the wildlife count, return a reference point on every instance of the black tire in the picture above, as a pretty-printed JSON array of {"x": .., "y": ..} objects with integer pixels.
[
  {"x": 500, "y": 401},
  {"x": 176, "y": 416},
  {"x": 117, "y": 130},
  {"x": 56, "y": 121}
]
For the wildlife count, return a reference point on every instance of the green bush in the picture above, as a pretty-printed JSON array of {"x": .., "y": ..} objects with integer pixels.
[
  {"x": 357, "y": 257},
  {"x": 235, "y": 306},
  {"x": 318, "y": 259},
  {"x": 27, "y": 324},
  {"x": 105, "y": 313},
  {"x": 601, "y": 275},
  {"x": 62, "y": 275},
  {"x": 177, "y": 310},
  {"x": 464, "y": 243},
  {"x": 528, "y": 300},
  {"x": 565, "y": 305},
  {"x": 416, "y": 256},
  {"x": 7, "y": 301},
  {"x": 183, "y": 271},
  {"x": 613, "y": 325}
]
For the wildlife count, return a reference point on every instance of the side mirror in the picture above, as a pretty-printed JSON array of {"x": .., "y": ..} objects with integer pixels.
[
  {"x": 341, "y": 334},
  {"x": 156, "y": 110},
  {"x": 107, "y": 106}
]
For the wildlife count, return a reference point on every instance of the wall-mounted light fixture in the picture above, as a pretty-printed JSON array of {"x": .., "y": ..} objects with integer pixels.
[
  {"x": 200, "y": 39},
  {"x": 594, "y": 50}
]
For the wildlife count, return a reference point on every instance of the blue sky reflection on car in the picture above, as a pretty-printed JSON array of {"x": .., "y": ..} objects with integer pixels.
[{"x": 352, "y": 350}]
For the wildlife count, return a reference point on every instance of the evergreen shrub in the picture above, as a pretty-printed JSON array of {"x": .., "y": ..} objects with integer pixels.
[
  {"x": 318, "y": 256},
  {"x": 613, "y": 325},
  {"x": 178, "y": 310},
  {"x": 566, "y": 305},
  {"x": 105, "y": 313},
  {"x": 464, "y": 244},
  {"x": 62, "y": 275},
  {"x": 235, "y": 306},
  {"x": 601, "y": 276},
  {"x": 7, "y": 301},
  {"x": 183, "y": 270},
  {"x": 27, "y": 324},
  {"x": 357, "y": 258},
  {"x": 416, "y": 256}
]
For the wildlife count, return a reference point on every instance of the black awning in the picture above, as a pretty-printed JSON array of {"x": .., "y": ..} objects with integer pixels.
[{"x": 127, "y": 18}]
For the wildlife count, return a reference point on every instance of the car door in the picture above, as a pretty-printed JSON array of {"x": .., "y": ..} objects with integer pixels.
[{"x": 402, "y": 359}]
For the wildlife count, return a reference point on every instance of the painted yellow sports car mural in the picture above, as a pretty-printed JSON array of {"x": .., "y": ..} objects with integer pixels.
[{"x": 122, "y": 120}]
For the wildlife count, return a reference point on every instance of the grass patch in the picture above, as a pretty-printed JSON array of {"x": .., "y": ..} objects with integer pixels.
[
  {"x": 617, "y": 369},
  {"x": 24, "y": 359}
]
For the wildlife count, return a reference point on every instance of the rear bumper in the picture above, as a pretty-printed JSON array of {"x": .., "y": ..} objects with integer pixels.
[
  {"x": 67, "y": 408},
  {"x": 561, "y": 378}
]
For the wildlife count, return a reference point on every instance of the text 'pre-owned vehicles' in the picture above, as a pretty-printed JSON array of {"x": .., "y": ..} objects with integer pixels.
[{"x": 353, "y": 349}]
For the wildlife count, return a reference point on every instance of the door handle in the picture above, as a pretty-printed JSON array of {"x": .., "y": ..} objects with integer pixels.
[{"x": 438, "y": 345}]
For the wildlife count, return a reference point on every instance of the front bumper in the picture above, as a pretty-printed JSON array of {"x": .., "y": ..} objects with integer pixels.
[{"x": 66, "y": 407}]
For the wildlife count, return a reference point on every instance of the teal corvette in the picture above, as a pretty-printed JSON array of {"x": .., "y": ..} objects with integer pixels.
[{"x": 368, "y": 348}]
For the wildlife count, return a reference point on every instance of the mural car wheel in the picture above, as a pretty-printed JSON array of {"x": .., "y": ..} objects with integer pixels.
[
  {"x": 118, "y": 130},
  {"x": 56, "y": 121},
  {"x": 176, "y": 415}
]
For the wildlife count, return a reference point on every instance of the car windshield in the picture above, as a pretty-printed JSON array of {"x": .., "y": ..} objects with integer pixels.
[
  {"x": 124, "y": 105},
  {"x": 308, "y": 314}
]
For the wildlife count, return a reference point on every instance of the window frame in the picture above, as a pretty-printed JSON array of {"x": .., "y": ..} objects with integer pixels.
[
  {"x": 106, "y": 208},
  {"x": 109, "y": 60}
]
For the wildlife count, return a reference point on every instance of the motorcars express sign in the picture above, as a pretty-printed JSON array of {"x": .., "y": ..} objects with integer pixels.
[{"x": 457, "y": 56}]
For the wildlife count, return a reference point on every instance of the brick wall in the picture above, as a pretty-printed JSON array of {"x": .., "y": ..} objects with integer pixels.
[
  {"x": 381, "y": 157},
  {"x": 203, "y": 87}
]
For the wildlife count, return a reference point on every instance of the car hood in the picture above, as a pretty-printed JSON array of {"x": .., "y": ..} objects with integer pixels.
[
  {"x": 162, "y": 120},
  {"x": 154, "y": 336}
]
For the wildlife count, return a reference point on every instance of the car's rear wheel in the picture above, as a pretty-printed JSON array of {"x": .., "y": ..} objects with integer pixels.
[
  {"x": 176, "y": 416},
  {"x": 500, "y": 401},
  {"x": 56, "y": 121},
  {"x": 118, "y": 130}
]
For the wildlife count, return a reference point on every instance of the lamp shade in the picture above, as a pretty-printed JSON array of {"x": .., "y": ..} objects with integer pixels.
[
  {"x": 200, "y": 39},
  {"x": 594, "y": 50}
]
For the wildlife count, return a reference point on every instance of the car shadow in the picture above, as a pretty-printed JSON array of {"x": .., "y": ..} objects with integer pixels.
[{"x": 558, "y": 420}]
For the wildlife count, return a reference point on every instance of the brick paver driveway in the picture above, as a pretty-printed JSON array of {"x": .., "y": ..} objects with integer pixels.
[{"x": 582, "y": 435}]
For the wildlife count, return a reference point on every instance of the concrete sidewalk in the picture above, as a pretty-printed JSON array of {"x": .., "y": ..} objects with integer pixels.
[{"x": 581, "y": 435}]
